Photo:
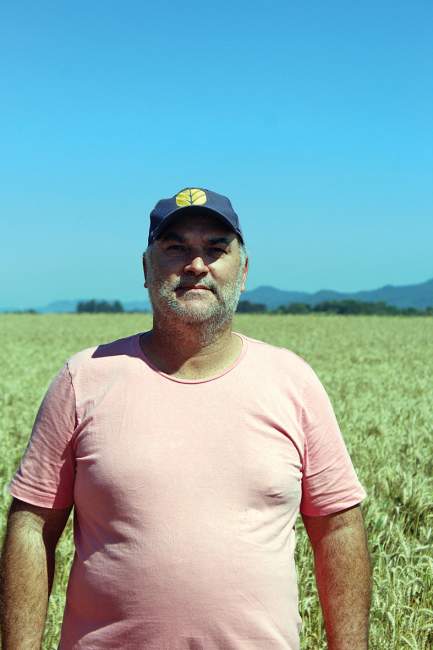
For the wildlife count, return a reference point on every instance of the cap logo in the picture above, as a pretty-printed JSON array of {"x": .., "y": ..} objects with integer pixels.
[{"x": 191, "y": 196}]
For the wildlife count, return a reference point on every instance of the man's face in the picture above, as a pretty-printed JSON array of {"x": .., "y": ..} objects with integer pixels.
[{"x": 194, "y": 271}]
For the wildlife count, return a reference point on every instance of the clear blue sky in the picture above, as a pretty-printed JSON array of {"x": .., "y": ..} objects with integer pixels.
[{"x": 315, "y": 118}]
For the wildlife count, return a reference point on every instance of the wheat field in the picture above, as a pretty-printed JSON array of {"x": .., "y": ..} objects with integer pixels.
[{"x": 378, "y": 372}]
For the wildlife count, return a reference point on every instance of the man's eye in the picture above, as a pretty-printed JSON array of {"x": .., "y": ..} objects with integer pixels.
[
  {"x": 175, "y": 247},
  {"x": 215, "y": 249}
]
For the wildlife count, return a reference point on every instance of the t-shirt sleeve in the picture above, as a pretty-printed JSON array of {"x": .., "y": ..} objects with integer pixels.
[
  {"x": 329, "y": 482},
  {"x": 46, "y": 473}
]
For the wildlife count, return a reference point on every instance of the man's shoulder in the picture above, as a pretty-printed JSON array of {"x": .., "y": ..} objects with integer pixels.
[
  {"x": 277, "y": 357},
  {"x": 103, "y": 353}
]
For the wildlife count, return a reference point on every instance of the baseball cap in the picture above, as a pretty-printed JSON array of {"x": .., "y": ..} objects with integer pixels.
[{"x": 194, "y": 199}]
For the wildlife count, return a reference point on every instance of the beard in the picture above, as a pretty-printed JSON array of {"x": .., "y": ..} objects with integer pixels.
[{"x": 207, "y": 314}]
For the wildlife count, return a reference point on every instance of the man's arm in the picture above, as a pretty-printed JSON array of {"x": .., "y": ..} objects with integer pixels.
[
  {"x": 27, "y": 572},
  {"x": 343, "y": 576}
]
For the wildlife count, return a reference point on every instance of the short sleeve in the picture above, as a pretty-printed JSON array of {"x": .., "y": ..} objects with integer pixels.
[
  {"x": 329, "y": 482},
  {"x": 46, "y": 473}
]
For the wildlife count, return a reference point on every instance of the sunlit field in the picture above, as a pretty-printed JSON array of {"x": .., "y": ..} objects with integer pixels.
[{"x": 378, "y": 372}]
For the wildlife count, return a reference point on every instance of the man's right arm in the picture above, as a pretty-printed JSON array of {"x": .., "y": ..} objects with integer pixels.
[{"x": 27, "y": 572}]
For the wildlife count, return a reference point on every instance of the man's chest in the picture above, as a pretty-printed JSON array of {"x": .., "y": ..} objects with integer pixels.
[{"x": 149, "y": 449}]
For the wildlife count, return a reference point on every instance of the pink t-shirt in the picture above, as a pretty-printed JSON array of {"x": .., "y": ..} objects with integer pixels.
[{"x": 185, "y": 495}]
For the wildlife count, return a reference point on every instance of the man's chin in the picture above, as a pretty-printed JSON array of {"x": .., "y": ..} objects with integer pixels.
[
  {"x": 193, "y": 313},
  {"x": 197, "y": 310}
]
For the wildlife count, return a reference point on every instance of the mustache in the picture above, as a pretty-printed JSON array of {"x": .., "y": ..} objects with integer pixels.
[{"x": 190, "y": 285}]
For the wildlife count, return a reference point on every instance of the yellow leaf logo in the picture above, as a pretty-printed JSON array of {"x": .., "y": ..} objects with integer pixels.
[{"x": 191, "y": 196}]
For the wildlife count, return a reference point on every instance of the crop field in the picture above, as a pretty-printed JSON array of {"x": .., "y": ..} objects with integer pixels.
[{"x": 378, "y": 372}]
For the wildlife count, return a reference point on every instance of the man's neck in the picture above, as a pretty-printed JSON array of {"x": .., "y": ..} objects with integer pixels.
[{"x": 190, "y": 351}]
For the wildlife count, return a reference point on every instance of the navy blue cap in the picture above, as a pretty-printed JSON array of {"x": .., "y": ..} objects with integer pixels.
[{"x": 195, "y": 199}]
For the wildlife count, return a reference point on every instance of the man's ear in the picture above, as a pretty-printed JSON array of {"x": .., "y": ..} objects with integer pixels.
[{"x": 244, "y": 275}]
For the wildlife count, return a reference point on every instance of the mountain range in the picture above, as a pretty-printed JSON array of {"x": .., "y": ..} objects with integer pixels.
[
  {"x": 69, "y": 306},
  {"x": 419, "y": 296}
]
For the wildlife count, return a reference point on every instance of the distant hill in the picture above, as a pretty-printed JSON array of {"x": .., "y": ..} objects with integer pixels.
[
  {"x": 69, "y": 306},
  {"x": 419, "y": 296},
  {"x": 59, "y": 307}
]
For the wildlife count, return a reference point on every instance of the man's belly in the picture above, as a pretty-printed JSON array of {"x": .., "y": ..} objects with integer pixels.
[{"x": 176, "y": 590}]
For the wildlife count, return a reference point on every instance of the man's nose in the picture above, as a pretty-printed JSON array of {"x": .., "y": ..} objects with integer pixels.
[{"x": 196, "y": 266}]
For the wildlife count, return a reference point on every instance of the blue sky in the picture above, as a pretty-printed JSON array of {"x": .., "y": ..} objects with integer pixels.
[{"x": 316, "y": 119}]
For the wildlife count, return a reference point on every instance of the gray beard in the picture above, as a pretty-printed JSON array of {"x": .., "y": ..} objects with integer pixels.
[{"x": 203, "y": 322}]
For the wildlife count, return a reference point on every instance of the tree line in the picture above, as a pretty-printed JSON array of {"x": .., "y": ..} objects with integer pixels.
[
  {"x": 347, "y": 306},
  {"x": 99, "y": 306}
]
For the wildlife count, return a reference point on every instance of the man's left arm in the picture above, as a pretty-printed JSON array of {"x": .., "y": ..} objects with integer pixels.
[{"x": 343, "y": 576}]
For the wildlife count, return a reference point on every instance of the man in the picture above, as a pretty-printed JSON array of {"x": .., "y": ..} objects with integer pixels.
[{"x": 187, "y": 452}]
